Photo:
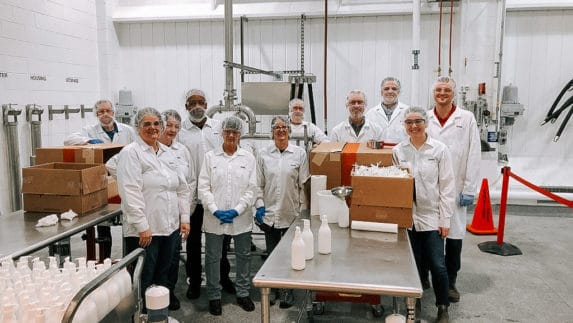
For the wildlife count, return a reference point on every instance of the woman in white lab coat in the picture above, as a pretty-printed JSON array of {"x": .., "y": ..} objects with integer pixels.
[
  {"x": 430, "y": 163},
  {"x": 155, "y": 198},
  {"x": 227, "y": 188}
]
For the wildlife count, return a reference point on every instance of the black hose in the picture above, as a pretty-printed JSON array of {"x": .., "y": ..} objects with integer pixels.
[
  {"x": 292, "y": 88},
  {"x": 311, "y": 103},
  {"x": 556, "y": 102},
  {"x": 563, "y": 124},
  {"x": 557, "y": 113},
  {"x": 300, "y": 90}
]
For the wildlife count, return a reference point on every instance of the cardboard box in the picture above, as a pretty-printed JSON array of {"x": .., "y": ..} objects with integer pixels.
[
  {"x": 325, "y": 159},
  {"x": 336, "y": 159},
  {"x": 112, "y": 190},
  {"x": 383, "y": 191},
  {"x": 64, "y": 179},
  {"x": 91, "y": 154},
  {"x": 398, "y": 215},
  {"x": 382, "y": 199},
  {"x": 61, "y": 203}
]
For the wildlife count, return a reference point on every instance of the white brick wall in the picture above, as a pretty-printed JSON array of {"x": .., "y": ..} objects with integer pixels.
[{"x": 55, "y": 40}]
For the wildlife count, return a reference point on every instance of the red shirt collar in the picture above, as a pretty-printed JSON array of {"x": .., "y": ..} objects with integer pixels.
[{"x": 445, "y": 119}]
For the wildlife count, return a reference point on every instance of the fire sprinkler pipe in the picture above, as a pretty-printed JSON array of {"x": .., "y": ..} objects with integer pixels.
[{"x": 415, "y": 98}]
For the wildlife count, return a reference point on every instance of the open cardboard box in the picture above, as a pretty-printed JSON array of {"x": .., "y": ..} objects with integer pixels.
[
  {"x": 336, "y": 159},
  {"x": 64, "y": 179},
  {"x": 91, "y": 154}
]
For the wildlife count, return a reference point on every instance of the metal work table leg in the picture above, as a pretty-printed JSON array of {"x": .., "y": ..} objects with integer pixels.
[
  {"x": 265, "y": 306},
  {"x": 411, "y": 309},
  {"x": 60, "y": 249}
]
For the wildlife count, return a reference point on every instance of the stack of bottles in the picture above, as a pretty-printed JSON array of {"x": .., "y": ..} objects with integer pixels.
[{"x": 42, "y": 295}]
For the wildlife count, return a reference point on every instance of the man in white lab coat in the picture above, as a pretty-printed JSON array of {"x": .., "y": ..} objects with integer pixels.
[
  {"x": 201, "y": 134},
  {"x": 297, "y": 123},
  {"x": 389, "y": 113},
  {"x": 457, "y": 128},
  {"x": 356, "y": 128},
  {"x": 107, "y": 130}
]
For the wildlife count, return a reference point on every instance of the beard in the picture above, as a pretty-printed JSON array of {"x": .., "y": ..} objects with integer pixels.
[
  {"x": 296, "y": 117},
  {"x": 390, "y": 101},
  {"x": 197, "y": 114}
]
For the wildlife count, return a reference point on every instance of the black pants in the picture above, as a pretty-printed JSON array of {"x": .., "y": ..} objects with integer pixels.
[
  {"x": 453, "y": 261},
  {"x": 104, "y": 240},
  {"x": 273, "y": 237},
  {"x": 193, "y": 266},
  {"x": 158, "y": 257}
]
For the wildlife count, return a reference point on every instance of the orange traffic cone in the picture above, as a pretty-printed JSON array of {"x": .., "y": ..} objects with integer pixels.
[{"x": 482, "y": 222}]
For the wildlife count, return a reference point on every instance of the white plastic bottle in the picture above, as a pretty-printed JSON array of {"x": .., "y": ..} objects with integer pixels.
[
  {"x": 308, "y": 238},
  {"x": 297, "y": 251},
  {"x": 324, "y": 237}
]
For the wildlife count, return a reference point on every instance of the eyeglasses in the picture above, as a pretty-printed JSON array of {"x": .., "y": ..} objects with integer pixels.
[
  {"x": 148, "y": 124},
  {"x": 103, "y": 111},
  {"x": 231, "y": 132},
  {"x": 194, "y": 103},
  {"x": 390, "y": 88},
  {"x": 356, "y": 102},
  {"x": 280, "y": 128},
  {"x": 416, "y": 122}
]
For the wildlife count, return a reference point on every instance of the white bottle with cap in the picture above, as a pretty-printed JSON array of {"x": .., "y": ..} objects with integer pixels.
[
  {"x": 308, "y": 238},
  {"x": 297, "y": 251},
  {"x": 324, "y": 237}
]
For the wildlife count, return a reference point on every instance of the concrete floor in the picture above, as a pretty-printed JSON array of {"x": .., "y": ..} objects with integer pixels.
[{"x": 536, "y": 286}]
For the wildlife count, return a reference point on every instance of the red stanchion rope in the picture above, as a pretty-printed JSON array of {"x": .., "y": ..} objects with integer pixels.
[{"x": 540, "y": 190}]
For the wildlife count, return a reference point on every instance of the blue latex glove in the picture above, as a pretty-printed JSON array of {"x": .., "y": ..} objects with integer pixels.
[
  {"x": 466, "y": 200},
  {"x": 220, "y": 214},
  {"x": 259, "y": 215},
  {"x": 95, "y": 141},
  {"x": 227, "y": 218},
  {"x": 233, "y": 213}
]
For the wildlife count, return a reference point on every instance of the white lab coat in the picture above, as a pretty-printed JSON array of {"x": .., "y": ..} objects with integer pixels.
[
  {"x": 431, "y": 167},
  {"x": 461, "y": 135},
  {"x": 228, "y": 182},
  {"x": 154, "y": 193},
  {"x": 281, "y": 178},
  {"x": 200, "y": 140},
  {"x": 344, "y": 132},
  {"x": 312, "y": 131},
  {"x": 394, "y": 128},
  {"x": 125, "y": 135}
]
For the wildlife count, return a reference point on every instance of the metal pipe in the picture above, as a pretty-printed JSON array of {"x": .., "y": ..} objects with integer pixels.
[
  {"x": 35, "y": 128},
  {"x": 243, "y": 20},
  {"x": 502, "y": 11},
  {"x": 10, "y": 120},
  {"x": 415, "y": 97},
  {"x": 229, "y": 94},
  {"x": 252, "y": 120},
  {"x": 325, "y": 64},
  {"x": 68, "y": 111}
]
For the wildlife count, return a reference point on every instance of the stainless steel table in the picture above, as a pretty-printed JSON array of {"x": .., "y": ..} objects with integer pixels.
[
  {"x": 20, "y": 236},
  {"x": 361, "y": 262}
]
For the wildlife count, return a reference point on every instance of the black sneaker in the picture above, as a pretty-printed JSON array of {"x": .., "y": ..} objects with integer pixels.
[
  {"x": 193, "y": 292},
  {"x": 443, "y": 316},
  {"x": 228, "y": 286},
  {"x": 174, "y": 303},
  {"x": 246, "y": 303},
  {"x": 453, "y": 295},
  {"x": 215, "y": 307}
]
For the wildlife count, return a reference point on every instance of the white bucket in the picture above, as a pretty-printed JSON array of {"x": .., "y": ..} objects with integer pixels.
[{"x": 331, "y": 206}]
